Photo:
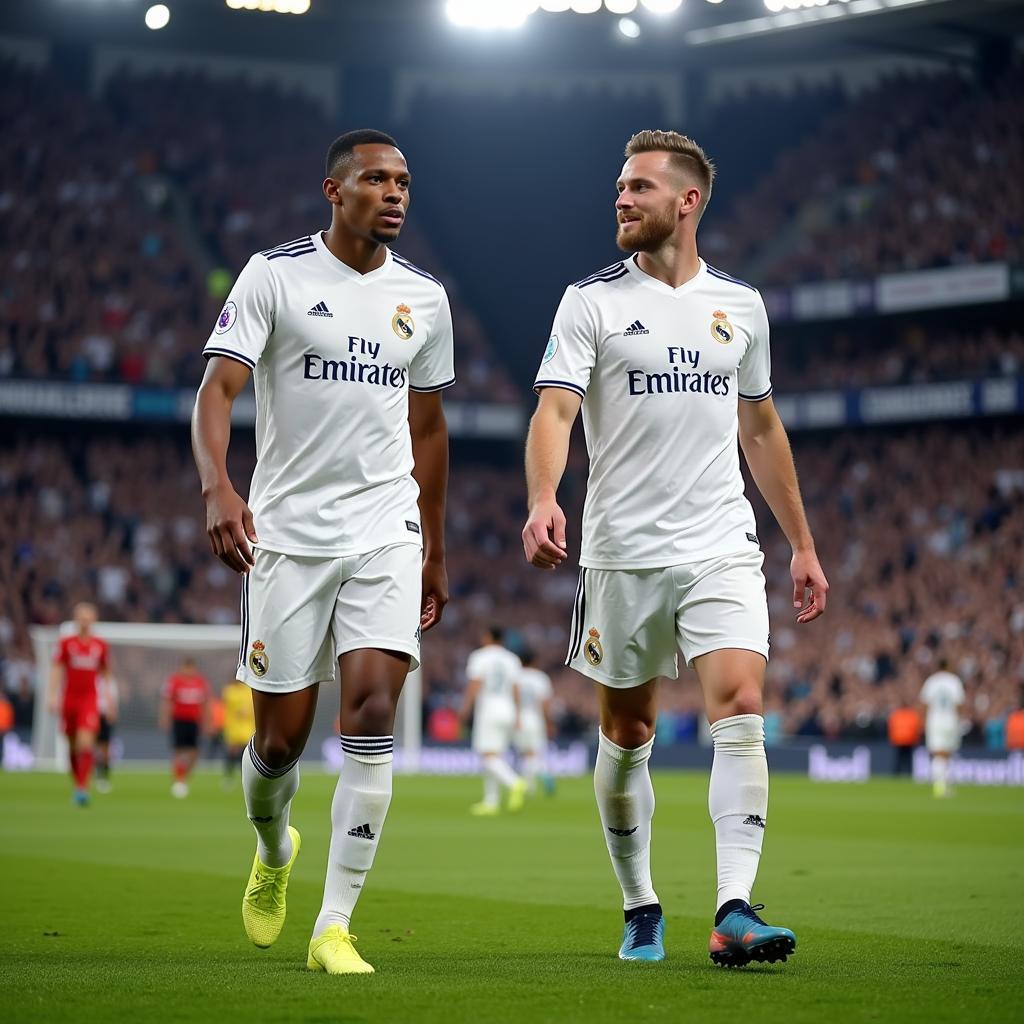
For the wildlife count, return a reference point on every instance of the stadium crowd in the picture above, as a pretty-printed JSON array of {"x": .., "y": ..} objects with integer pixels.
[{"x": 919, "y": 530}]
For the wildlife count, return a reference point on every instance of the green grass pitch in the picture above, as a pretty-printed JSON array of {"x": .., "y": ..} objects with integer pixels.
[{"x": 905, "y": 909}]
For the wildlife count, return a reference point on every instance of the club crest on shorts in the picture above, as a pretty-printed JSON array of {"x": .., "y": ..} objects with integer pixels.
[
  {"x": 592, "y": 649},
  {"x": 402, "y": 322},
  {"x": 721, "y": 329},
  {"x": 259, "y": 660}
]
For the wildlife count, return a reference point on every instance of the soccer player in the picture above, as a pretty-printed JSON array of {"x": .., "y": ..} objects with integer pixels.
[
  {"x": 79, "y": 660},
  {"x": 185, "y": 708},
  {"x": 530, "y": 740},
  {"x": 669, "y": 359},
  {"x": 492, "y": 697},
  {"x": 942, "y": 695},
  {"x": 107, "y": 702},
  {"x": 342, "y": 542},
  {"x": 239, "y": 724}
]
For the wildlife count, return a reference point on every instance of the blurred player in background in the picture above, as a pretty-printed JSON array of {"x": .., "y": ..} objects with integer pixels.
[
  {"x": 107, "y": 703},
  {"x": 669, "y": 359},
  {"x": 942, "y": 695},
  {"x": 530, "y": 739},
  {"x": 492, "y": 698},
  {"x": 185, "y": 710},
  {"x": 239, "y": 723},
  {"x": 78, "y": 662},
  {"x": 342, "y": 551}
]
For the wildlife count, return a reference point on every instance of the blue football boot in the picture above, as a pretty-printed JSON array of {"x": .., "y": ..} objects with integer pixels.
[
  {"x": 644, "y": 935},
  {"x": 740, "y": 936}
]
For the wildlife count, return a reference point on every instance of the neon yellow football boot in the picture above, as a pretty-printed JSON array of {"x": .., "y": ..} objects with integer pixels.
[
  {"x": 333, "y": 951},
  {"x": 263, "y": 905}
]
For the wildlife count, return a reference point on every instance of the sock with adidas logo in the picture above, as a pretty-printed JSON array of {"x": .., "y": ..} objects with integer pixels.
[{"x": 360, "y": 806}]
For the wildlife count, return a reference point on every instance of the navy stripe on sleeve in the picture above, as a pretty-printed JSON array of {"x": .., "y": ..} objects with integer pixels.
[
  {"x": 756, "y": 398},
  {"x": 433, "y": 387},
  {"x": 721, "y": 275},
  {"x": 539, "y": 385},
  {"x": 237, "y": 356}
]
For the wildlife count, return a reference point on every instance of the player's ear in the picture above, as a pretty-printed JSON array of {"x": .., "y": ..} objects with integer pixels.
[{"x": 332, "y": 191}]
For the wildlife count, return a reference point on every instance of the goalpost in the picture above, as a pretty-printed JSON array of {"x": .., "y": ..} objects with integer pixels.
[{"x": 144, "y": 655}]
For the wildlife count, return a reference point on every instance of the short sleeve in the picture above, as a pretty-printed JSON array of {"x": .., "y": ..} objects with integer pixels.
[
  {"x": 433, "y": 366},
  {"x": 571, "y": 352},
  {"x": 247, "y": 319},
  {"x": 473, "y": 667},
  {"x": 755, "y": 370}
]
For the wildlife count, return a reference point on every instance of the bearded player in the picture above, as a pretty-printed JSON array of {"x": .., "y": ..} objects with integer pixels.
[
  {"x": 669, "y": 360},
  {"x": 79, "y": 660},
  {"x": 341, "y": 546}
]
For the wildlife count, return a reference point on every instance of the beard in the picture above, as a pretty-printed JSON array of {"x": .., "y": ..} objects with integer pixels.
[{"x": 649, "y": 234}]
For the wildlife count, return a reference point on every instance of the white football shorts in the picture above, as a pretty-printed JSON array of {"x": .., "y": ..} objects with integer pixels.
[
  {"x": 493, "y": 724},
  {"x": 629, "y": 624},
  {"x": 942, "y": 735},
  {"x": 299, "y": 614}
]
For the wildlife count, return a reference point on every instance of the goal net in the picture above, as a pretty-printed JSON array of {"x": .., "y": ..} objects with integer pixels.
[{"x": 144, "y": 655}]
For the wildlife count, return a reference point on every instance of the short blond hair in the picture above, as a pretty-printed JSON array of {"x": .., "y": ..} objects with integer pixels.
[{"x": 687, "y": 156}]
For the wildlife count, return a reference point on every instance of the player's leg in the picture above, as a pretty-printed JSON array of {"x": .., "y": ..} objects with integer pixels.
[
  {"x": 376, "y": 629},
  {"x": 623, "y": 637},
  {"x": 492, "y": 734},
  {"x": 87, "y": 724},
  {"x": 940, "y": 773},
  {"x": 102, "y": 764},
  {"x": 371, "y": 682}
]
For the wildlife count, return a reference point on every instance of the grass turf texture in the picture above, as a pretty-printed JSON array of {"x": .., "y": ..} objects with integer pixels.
[{"x": 905, "y": 908}]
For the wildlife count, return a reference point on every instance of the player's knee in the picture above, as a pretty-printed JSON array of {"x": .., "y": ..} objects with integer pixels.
[
  {"x": 275, "y": 750},
  {"x": 374, "y": 713},
  {"x": 747, "y": 698},
  {"x": 628, "y": 733}
]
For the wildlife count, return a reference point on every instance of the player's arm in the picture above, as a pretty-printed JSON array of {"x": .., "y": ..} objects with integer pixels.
[
  {"x": 766, "y": 448},
  {"x": 229, "y": 522},
  {"x": 54, "y": 687},
  {"x": 549, "y": 721},
  {"x": 429, "y": 432},
  {"x": 469, "y": 699},
  {"x": 164, "y": 715},
  {"x": 547, "y": 449}
]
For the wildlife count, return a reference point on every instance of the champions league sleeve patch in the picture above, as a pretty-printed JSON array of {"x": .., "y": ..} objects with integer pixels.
[
  {"x": 549, "y": 352},
  {"x": 227, "y": 318}
]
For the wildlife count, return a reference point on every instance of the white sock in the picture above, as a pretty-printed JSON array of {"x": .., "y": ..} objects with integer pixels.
[
  {"x": 499, "y": 770},
  {"x": 625, "y": 799},
  {"x": 492, "y": 790},
  {"x": 361, "y": 801},
  {"x": 738, "y": 802},
  {"x": 268, "y": 798},
  {"x": 940, "y": 773}
]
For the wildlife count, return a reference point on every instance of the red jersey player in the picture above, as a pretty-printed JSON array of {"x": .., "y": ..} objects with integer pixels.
[
  {"x": 186, "y": 696},
  {"x": 77, "y": 662}
]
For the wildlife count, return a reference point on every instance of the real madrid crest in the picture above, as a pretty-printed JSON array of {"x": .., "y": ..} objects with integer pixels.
[
  {"x": 721, "y": 329},
  {"x": 259, "y": 660},
  {"x": 592, "y": 649},
  {"x": 402, "y": 322}
]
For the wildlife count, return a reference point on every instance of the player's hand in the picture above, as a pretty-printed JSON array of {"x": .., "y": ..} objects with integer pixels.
[
  {"x": 807, "y": 576},
  {"x": 435, "y": 593},
  {"x": 230, "y": 528},
  {"x": 544, "y": 535}
]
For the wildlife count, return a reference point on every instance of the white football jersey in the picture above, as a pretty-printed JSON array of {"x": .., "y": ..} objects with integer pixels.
[
  {"x": 660, "y": 371},
  {"x": 334, "y": 354},
  {"x": 498, "y": 670},
  {"x": 943, "y": 693},
  {"x": 534, "y": 689}
]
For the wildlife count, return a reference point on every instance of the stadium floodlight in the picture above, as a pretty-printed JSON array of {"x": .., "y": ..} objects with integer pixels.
[
  {"x": 775, "y": 6},
  {"x": 621, "y": 6},
  {"x": 157, "y": 16},
  {"x": 662, "y": 6},
  {"x": 585, "y": 6},
  {"x": 629, "y": 28},
  {"x": 489, "y": 13},
  {"x": 554, "y": 6},
  {"x": 272, "y": 6}
]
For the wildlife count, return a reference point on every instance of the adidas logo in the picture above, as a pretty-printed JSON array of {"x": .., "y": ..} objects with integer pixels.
[
  {"x": 361, "y": 831},
  {"x": 754, "y": 819},
  {"x": 635, "y": 328},
  {"x": 622, "y": 831},
  {"x": 320, "y": 309}
]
